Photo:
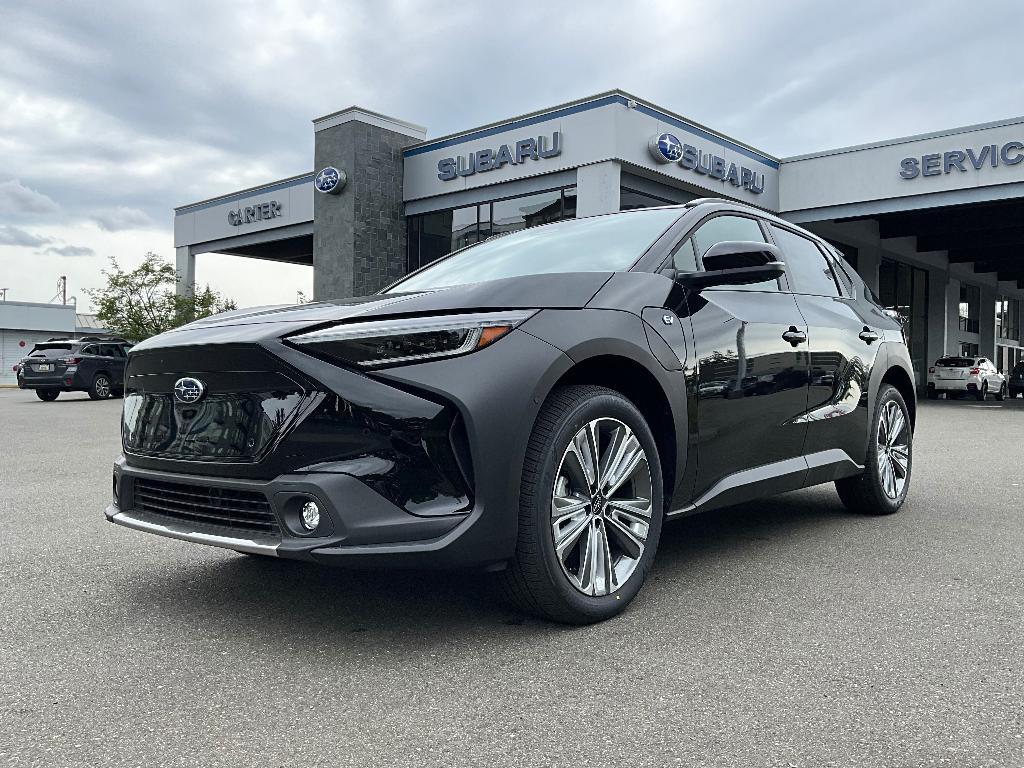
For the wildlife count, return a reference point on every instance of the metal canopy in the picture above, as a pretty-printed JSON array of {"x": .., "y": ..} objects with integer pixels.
[{"x": 989, "y": 236}]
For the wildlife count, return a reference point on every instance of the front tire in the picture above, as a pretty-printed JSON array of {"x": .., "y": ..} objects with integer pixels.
[
  {"x": 882, "y": 488},
  {"x": 1001, "y": 393},
  {"x": 47, "y": 395},
  {"x": 100, "y": 388},
  {"x": 983, "y": 392},
  {"x": 590, "y": 508}
]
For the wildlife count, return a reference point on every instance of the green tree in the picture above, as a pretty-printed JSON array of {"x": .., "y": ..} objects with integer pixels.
[{"x": 141, "y": 302}]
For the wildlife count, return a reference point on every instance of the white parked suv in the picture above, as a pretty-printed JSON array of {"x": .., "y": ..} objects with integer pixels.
[{"x": 957, "y": 376}]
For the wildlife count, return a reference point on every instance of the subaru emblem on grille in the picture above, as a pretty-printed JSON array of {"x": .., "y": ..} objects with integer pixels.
[{"x": 189, "y": 390}]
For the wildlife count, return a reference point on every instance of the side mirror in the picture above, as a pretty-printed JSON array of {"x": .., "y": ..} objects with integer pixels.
[{"x": 736, "y": 262}]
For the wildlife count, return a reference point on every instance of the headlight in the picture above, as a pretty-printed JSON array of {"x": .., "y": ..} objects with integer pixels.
[{"x": 409, "y": 339}]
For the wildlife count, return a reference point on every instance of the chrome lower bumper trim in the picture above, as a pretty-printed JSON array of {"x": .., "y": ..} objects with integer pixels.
[{"x": 185, "y": 534}]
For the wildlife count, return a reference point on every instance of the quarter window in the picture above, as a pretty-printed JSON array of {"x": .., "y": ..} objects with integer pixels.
[
  {"x": 806, "y": 265},
  {"x": 720, "y": 229},
  {"x": 684, "y": 259}
]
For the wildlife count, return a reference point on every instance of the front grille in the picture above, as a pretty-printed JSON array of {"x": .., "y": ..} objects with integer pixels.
[{"x": 207, "y": 506}]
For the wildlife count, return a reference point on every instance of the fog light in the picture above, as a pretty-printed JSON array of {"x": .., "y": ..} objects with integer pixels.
[{"x": 310, "y": 516}]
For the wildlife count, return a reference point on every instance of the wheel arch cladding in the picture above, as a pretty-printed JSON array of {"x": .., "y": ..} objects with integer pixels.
[
  {"x": 638, "y": 385},
  {"x": 897, "y": 377}
]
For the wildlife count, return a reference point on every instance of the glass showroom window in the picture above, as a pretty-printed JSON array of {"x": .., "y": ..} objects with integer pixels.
[
  {"x": 436, "y": 234},
  {"x": 1008, "y": 319},
  {"x": 630, "y": 200},
  {"x": 970, "y": 308},
  {"x": 904, "y": 288}
]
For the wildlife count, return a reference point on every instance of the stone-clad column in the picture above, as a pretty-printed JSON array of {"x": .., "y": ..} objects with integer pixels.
[{"x": 359, "y": 233}]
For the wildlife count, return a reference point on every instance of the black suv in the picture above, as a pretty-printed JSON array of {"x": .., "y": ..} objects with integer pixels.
[
  {"x": 536, "y": 405},
  {"x": 93, "y": 364}
]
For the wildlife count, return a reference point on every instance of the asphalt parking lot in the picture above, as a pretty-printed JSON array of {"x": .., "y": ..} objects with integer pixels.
[{"x": 780, "y": 633}]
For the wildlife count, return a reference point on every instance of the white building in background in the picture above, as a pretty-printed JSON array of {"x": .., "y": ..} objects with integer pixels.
[
  {"x": 23, "y": 324},
  {"x": 934, "y": 223}
]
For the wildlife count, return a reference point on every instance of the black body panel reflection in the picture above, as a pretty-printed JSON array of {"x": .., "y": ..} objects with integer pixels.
[
  {"x": 751, "y": 383},
  {"x": 837, "y": 404},
  {"x": 262, "y": 418}
]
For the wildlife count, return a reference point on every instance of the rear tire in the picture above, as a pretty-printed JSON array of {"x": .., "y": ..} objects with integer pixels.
[
  {"x": 100, "y": 388},
  {"x": 606, "y": 546},
  {"x": 880, "y": 489},
  {"x": 933, "y": 395},
  {"x": 47, "y": 395},
  {"x": 983, "y": 392}
]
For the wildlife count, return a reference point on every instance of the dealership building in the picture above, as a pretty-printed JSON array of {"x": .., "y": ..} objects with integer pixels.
[{"x": 934, "y": 223}]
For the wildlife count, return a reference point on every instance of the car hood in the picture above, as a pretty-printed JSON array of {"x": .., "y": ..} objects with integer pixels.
[{"x": 572, "y": 290}]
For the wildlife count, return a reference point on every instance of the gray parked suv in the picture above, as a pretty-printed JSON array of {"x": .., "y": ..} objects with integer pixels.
[{"x": 93, "y": 364}]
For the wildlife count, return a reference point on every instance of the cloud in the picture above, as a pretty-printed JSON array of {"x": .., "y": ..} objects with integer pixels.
[
  {"x": 11, "y": 235},
  {"x": 112, "y": 114},
  {"x": 17, "y": 199},
  {"x": 70, "y": 250},
  {"x": 121, "y": 218}
]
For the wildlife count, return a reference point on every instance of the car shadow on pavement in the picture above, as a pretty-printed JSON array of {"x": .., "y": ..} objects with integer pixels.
[{"x": 288, "y": 602}]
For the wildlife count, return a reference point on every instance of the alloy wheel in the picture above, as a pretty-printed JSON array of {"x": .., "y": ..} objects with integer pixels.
[
  {"x": 893, "y": 449},
  {"x": 601, "y": 507},
  {"x": 102, "y": 387}
]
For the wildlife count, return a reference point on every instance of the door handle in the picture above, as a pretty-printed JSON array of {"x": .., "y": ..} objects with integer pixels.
[
  {"x": 794, "y": 337},
  {"x": 868, "y": 335}
]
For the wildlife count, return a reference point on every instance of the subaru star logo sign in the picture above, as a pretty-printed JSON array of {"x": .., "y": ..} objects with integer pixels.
[
  {"x": 666, "y": 148},
  {"x": 189, "y": 390},
  {"x": 330, "y": 180}
]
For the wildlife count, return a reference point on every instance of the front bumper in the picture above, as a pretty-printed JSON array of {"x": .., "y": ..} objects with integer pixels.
[
  {"x": 355, "y": 520},
  {"x": 364, "y": 476}
]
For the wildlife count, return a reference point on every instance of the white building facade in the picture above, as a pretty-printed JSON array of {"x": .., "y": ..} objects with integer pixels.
[{"x": 934, "y": 223}]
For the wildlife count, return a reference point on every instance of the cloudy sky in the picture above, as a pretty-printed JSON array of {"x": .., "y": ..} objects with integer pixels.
[{"x": 113, "y": 113}]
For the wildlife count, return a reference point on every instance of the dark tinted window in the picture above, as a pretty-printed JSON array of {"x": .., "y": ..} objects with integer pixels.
[
  {"x": 630, "y": 200},
  {"x": 50, "y": 351},
  {"x": 720, "y": 229},
  {"x": 840, "y": 269},
  {"x": 89, "y": 349},
  {"x": 806, "y": 265},
  {"x": 955, "y": 362}
]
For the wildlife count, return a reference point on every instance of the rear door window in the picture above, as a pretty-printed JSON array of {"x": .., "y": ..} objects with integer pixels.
[
  {"x": 90, "y": 349},
  {"x": 806, "y": 266}
]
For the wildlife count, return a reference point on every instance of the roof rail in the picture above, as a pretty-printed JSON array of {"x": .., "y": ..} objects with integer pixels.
[{"x": 110, "y": 339}]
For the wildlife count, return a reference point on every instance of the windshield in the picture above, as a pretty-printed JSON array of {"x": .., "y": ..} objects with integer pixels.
[
  {"x": 955, "y": 362},
  {"x": 596, "y": 244}
]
